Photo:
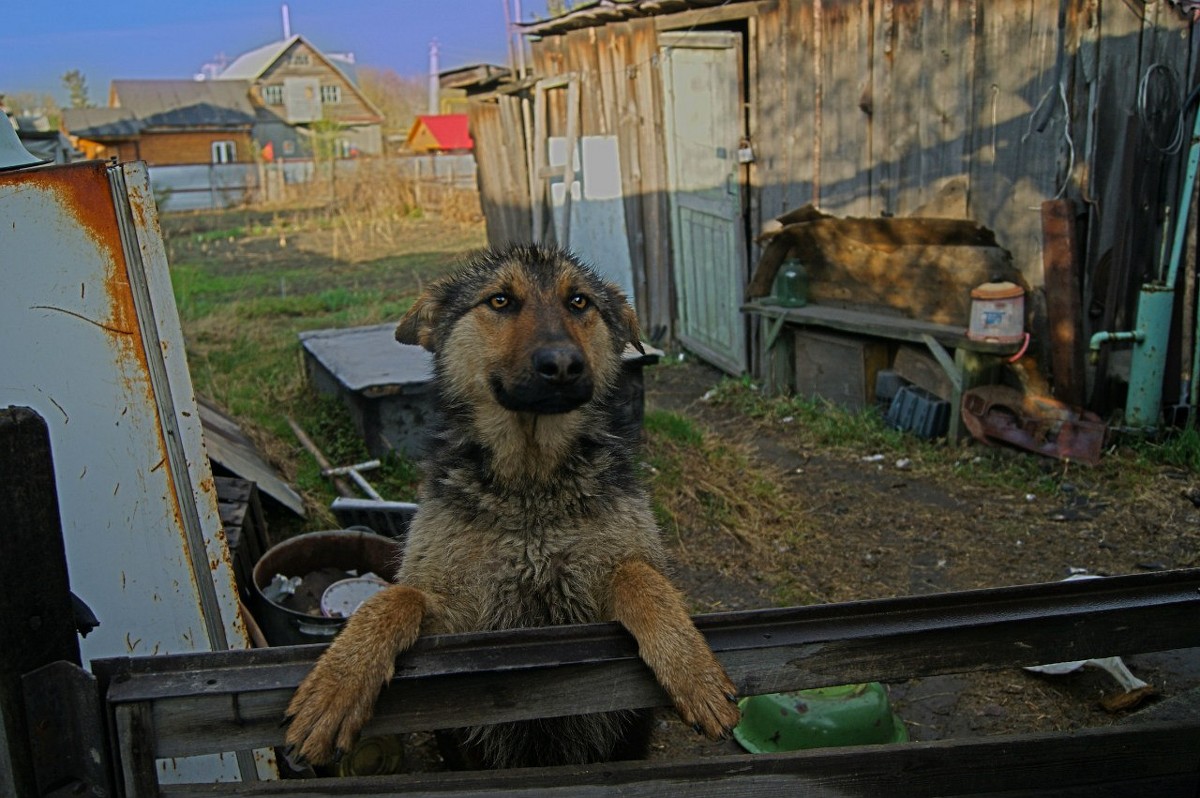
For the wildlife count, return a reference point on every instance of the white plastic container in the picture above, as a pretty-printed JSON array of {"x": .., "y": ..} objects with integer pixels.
[{"x": 997, "y": 313}]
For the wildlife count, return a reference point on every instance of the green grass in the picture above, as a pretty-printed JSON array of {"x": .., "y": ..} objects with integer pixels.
[
  {"x": 1178, "y": 449},
  {"x": 243, "y": 304},
  {"x": 1006, "y": 470},
  {"x": 674, "y": 426}
]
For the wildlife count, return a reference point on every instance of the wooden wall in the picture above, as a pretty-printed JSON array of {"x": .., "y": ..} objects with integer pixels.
[
  {"x": 909, "y": 107},
  {"x": 161, "y": 148},
  {"x": 617, "y": 67}
]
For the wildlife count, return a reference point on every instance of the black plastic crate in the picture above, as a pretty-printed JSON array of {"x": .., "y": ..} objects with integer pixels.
[{"x": 918, "y": 411}]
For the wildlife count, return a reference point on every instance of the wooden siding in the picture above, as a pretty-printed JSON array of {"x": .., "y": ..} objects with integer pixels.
[
  {"x": 503, "y": 172},
  {"x": 617, "y": 66},
  {"x": 910, "y": 107},
  {"x": 160, "y": 149},
  {"x": 351, "y": 110}
]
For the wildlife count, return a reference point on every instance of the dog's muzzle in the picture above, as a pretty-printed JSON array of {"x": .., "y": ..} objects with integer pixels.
[{"x": 557, "y": 382}]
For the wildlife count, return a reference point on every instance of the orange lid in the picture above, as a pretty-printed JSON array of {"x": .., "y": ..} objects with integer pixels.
[{"x": 1004, "y": 290}]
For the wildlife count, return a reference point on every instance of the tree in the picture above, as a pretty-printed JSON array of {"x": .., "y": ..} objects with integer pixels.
[
  {"x": 399, "y": 99},
  {"x": 76, "y": 85}
]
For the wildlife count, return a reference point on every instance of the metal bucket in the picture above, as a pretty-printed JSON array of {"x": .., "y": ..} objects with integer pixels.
[{"x": 345, "y": 549}]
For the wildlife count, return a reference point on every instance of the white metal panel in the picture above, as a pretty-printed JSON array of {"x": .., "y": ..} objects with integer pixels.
[
  {"x": 598, "y": 234},
  {"x": 93, "y": 344}
]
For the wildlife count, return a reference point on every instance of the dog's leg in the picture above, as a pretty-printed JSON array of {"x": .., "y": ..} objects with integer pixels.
[
  {"x": 654, "y": 612},
  {"x": 337, "y": 697}
]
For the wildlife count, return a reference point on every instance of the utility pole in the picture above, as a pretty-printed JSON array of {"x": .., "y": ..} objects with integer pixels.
[
  {"x": 520, "y": 43},
  {"x": 508, "y": 36},
  {"x": 434, "y": 106}
]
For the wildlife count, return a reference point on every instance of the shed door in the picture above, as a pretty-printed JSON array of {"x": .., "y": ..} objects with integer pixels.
[{"x": 703, "y": 129}]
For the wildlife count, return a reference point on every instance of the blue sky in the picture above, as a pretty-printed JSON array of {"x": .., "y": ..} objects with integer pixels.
[{"x": 39, "y": 42}]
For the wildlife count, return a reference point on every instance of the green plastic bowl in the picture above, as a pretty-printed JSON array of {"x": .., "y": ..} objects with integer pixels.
[{"x": 825, "y": 717}]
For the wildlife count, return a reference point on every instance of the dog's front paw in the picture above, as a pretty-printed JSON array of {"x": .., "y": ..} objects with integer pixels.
[
  {"x": 326, "y": 714},
  {"x": 708, "y": 702},
  {"x": 330, "y": 707}
]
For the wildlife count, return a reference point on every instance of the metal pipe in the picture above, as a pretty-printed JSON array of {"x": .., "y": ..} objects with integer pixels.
[{"x": 1136, "y": 336}]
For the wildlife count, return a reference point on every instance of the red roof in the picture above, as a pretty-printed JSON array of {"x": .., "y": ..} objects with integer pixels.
[{"x": 450, "y": 130}]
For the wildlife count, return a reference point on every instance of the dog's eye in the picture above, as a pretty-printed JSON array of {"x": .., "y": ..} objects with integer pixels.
[
  {"x": 498, "y": 301},
  {"x": 578, "y": 302}
]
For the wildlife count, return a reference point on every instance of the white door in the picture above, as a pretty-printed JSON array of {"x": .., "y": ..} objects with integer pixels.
[{"x": 703, "y": 131}]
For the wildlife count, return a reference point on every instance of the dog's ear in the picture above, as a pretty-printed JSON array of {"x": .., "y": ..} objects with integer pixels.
[
  {"x": 417, "y": 325},
  {"x": 632, "y": 332}
]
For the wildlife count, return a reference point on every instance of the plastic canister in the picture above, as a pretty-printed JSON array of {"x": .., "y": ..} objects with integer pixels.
[
  {"x": 997, "y": 313},
  {"x": 791, "y": 284}
]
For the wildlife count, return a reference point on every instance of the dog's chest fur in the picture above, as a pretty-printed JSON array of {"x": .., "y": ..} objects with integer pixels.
[{"x": 526, "y": 554}]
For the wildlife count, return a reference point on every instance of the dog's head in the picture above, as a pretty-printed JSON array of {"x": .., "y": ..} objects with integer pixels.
[{"x": 527, "y": 327}]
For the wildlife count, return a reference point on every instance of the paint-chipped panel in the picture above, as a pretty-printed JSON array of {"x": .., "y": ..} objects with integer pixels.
[{"x": 81, "y": 363}]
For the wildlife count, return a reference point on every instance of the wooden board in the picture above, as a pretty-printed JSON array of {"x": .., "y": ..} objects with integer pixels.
[
  {"x": 917, "y": 366},
  {"x": 837, "y": 368}
]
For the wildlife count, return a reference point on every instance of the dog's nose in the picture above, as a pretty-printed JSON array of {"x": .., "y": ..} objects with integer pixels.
[{"x": 558, "y": 365}]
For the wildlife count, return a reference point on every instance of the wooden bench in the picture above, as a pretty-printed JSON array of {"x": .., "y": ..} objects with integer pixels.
[
  {"x": 966, "y": 368},
  {"x": 183, "y": 705}
]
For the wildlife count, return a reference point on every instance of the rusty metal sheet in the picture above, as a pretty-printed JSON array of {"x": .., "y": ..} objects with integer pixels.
[
  {"x": 96, "y": 348},
  {"x": 1039, "y": 424}
]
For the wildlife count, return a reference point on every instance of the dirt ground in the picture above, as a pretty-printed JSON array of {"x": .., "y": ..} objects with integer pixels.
[
  {"x": 851, "y": 527},
  {"x": 775, "y": 521}
]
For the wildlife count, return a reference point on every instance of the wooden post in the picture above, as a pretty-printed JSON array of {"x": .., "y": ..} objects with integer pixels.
[
  {"x": 37, "y": 624},
  {"x": 1064, "y": 300}
]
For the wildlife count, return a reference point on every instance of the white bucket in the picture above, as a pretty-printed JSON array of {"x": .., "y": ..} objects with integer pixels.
[{"x": 997, "y": 313}]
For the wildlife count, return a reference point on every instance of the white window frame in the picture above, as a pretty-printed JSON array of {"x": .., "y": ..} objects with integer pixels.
[
  {"x": 272, "y": 94},
  {"x": 224, "y": 151},
  {"x": 331, "y": 94}
]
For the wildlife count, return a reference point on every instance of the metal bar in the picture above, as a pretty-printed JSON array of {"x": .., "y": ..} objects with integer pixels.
[
  {"x": 189, "y": 512},
  {"x": 338, "y": 484}
]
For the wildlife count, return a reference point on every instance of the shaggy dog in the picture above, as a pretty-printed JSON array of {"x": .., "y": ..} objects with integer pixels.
[{"x": 531, "y": 513}]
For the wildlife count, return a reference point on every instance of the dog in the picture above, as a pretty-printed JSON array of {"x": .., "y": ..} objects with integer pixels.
[{"x": 531, "y": 513}]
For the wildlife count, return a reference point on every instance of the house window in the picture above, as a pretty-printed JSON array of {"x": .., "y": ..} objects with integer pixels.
[
  {"x": 300, "y": 59},
  {"x": 273, "y": 94},
  {"x": 331, "y": 94},
  {"x": 223, "y": 152}
]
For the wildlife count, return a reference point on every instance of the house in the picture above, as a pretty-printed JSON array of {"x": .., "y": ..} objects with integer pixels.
[
  {"x": 441, "y": 133},
  {"x": 694, "y": 125},
  {"x": 305, "y": 92},
  {"x": 167, "y": 122}
]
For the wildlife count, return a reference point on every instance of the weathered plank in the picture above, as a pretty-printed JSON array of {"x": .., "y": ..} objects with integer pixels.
[
  {"x": 1064, "y": 301},
  {"x": 37, "y": 624},
  {"x": 655, "y": 224},
  {"x": 1157, "y": 760},
  {"x": 207, "y": 702},
  {"x": 842, "y": 152}
]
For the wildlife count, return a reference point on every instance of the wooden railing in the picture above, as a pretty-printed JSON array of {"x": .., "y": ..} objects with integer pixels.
[{"x": 204, "y": 703}]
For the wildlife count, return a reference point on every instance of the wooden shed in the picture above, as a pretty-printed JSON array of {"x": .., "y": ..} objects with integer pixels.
[{"x": 696, "y": 123}]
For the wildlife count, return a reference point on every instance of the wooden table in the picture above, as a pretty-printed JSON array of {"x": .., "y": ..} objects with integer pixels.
[{"x": 965, "y": 368}]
